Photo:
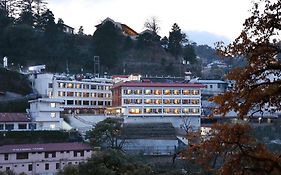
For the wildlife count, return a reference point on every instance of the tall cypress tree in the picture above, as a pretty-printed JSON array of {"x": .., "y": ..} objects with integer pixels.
[{"x": 175, "y": 40}]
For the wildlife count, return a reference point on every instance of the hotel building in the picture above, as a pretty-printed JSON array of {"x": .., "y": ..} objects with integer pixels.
[
  {"x": 78, "y": 93},
  {"x": 42, "y": 158},
  {"x": 177, "y": 103}
]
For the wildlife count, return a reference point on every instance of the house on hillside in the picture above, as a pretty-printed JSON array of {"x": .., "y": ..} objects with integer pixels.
[
  {"x": 126, "y": 30},
  {"x": 149, "y": 138},
  {"x": 67, "y": 29}
]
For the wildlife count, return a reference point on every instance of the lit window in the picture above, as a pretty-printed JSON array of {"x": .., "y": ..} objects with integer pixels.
[
  {"x": 69, "y": 85},
  {"x": 195, "y": 92},
  {"x": 138, "y": 92},
  {"x": 195, "y": 110},
  {"x": 52, "y": 126},
  {"x": 134, "y": 111},
  {"x": 157, "y": 101},
  {"x": 147, "y": 110},
  {"x": 147, "y": 101},
  {"x": 147, "y": 92},
  {"x": 166, "y": 101},
  {"x": 127, "y": 101},
  {"x": 176, "y": 111},
  {"x": 78, "y": 86},
  {"x": 107, "y": 95},
  {"x": 195, "y": 101},
  {"x": 94, "y": 95},
  {"x": 186, "y": 92},
  {"x": 176, "y": 92},
  {"x": 157, "y": 92},
  {"x": 167, "y": 92},
  {"x": 53, "y": 105},
  {"x": 167, "y": 110},
  {"x": 176, "y": 101},
  {"x": 53, "y": 115},
  {"x": 107, "y": 88},
  {"x": 138, "y": 101},
  {"x": 61, "y": 85},
  {"x": 185, "y": 110}
]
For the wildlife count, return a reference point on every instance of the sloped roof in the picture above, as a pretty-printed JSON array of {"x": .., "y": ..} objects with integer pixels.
[
  {"x": 157, "y": 131},
  {"x": 13, "y": 117},
  {"x": 152, "y": 84}
]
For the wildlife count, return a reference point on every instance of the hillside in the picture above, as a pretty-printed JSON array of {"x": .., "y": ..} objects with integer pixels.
[{"x": 15, "y": 82}]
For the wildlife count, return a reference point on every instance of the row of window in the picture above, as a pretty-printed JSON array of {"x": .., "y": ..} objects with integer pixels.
[
  {"x": 164, "y": 111},
  {"x": 83, "y": 94},
  {"x": 161, "y": 101},
  {"x": 88, "y": 103},
  {"x": 10, "y": 127},
  {"x": 82, "y": 86},
  {"x": 160, "y": 92},
  {"x": 22, "y": 156}
]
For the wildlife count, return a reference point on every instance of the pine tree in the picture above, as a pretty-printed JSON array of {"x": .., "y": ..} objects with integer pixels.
[{"x": 175, "y": 41}]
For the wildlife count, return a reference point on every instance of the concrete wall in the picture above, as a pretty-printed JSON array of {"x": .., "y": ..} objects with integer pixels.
[
  {"x": 177, "y": 122},
  {"x": 150, "y": 146}
]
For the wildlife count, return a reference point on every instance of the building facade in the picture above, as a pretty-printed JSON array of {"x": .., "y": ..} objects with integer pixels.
[
  {"x": 42, "y": 158},
  {"x": 156, "y": 102},
  {"x": 78, "y": 93},
  {"x": 45, "y": 112}
]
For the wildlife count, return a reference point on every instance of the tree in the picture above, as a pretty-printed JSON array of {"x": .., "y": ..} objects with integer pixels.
[
  {"x": 106, "y": 39},
  {"x": 109, "y": 162},
  {"x": 257, "y": 84},
  {"x": 189, "y": 54},
  {"x": 60, "y": 25},
  {"x": 81, "y": 30},
  {"x": 164, "y": 42},
  {"x": 152, "y": 24},
  {"x": 257, "y": 88},
  {"x": 175, "y": 40},
  {"x": 232, "y": 150},
  {"x": 106, "y": 134}
]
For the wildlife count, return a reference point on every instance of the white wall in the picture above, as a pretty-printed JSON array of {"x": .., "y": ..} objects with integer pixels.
[{"x": 177, "y": 122}]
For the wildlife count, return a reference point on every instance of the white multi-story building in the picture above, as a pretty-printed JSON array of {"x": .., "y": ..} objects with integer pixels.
[
  {"x": 178, "y": 103},
  {"x": 42, "y": 158},
  {"x": 78, "y": 94},
  {"x": 45, "y": 112}
]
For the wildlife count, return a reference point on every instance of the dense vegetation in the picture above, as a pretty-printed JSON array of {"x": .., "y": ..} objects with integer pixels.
[{"x": 29, "y": 35}]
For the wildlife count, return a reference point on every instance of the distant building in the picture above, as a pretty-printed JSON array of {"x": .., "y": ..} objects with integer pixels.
[
  {"x": 126, "y": 30},
  {"x": 177, "y": 103},
  {"x": 42, "y": 158},
  {"x": 149, "y": 138},
  {"x": 79, "y": 94},
  {"x": 67, "y": 29},
  {"x": 123, "y": 78},
  {"x": 45, "y": 112},
  {"x": 212, "y": 87},
  {"x": 16, "y": 122}
]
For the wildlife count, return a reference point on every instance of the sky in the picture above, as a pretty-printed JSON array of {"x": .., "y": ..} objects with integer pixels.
[{"x": 204, "y": 21}]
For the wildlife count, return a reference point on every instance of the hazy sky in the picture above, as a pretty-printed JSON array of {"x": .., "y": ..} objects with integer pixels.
[{"x": 202, "y": 18}]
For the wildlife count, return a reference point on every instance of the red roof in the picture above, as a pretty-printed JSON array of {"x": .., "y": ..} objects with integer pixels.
[
  {"x": 48, "y": 147},
  {"x": 151, "y": 84},
  {"x": 13, "y": 117}
]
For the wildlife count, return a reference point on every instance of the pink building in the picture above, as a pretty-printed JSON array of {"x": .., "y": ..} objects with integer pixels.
[{"x": 42, "y": 158}]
